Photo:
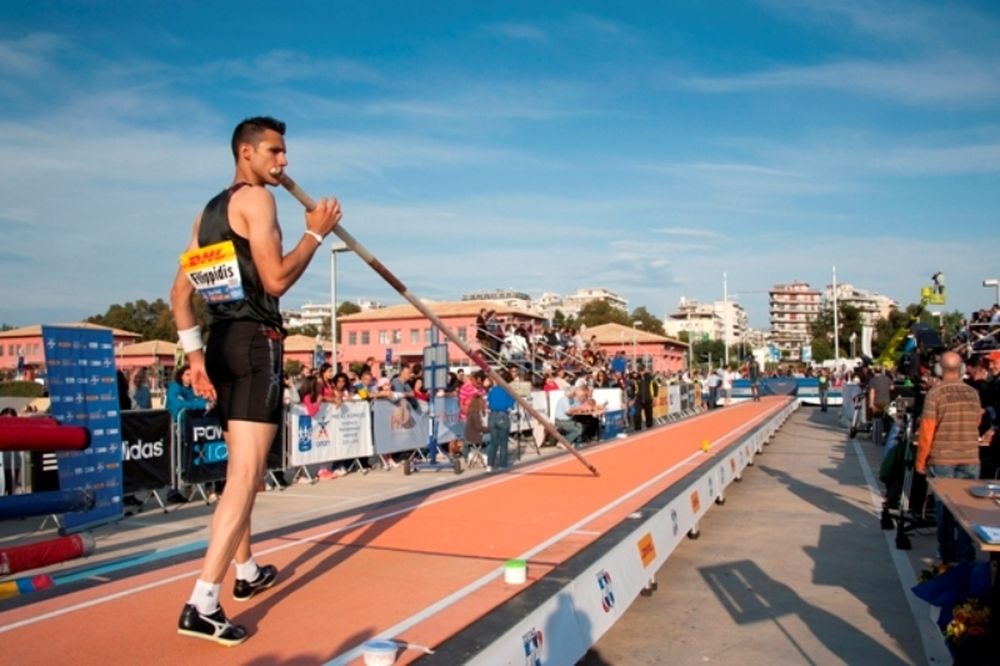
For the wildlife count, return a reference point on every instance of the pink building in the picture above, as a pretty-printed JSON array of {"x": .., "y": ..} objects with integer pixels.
[
  {"x": 27, "y": 342},
  {"x": 667, "y": 354},
  {"x": 302, "y": 348},
  {"x": 404, "y": 331}
]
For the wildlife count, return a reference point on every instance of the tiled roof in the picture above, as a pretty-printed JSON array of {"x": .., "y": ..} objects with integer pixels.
[
  {"x": 442, "y": 309},
  {"x": 608, "y": 334},
  {"x": 148, "y": 348},
  {"x": 36, "y": 330},
  {"x": 301, "y": 343}
]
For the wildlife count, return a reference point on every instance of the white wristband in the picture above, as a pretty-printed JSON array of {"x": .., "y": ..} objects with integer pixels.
[
  {"x": 190, "y": 339},
  {"x": 319, "y": 239}
]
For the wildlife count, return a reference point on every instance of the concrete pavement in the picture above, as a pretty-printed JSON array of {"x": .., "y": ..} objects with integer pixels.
[{"x": 793, "y": 569}]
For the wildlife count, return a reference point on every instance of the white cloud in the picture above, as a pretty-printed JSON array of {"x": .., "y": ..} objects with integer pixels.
[
  {"x": 519, "y": 31},
  {"x": 689, "y": 231}
]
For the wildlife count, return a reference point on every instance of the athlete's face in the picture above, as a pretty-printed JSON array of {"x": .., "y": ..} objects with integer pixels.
[{"x": 269, "y": 153}]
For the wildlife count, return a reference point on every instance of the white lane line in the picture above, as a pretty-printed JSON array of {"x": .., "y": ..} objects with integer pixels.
[
  {"x": 390, "y": 633},
  {"x": 930, "y": 637},
  {"x": 319, "y": 537}
]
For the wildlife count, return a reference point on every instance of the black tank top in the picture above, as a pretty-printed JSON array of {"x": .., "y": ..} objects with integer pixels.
[{"x": 256, "y": 304}]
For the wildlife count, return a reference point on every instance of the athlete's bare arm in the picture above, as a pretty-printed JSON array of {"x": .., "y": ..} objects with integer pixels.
[
  {"x": 253, "y": 214},
  {"x": 181, "y": 294}
]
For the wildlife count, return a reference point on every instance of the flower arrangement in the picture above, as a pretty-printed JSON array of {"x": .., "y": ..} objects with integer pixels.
[{"x": 969, "y": 619}]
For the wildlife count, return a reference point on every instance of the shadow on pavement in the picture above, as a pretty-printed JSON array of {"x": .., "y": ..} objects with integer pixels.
[{"x": 751, "y": 596}]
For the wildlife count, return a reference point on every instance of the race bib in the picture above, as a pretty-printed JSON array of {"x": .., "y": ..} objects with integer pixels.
[{"x": 214, "y": 272}]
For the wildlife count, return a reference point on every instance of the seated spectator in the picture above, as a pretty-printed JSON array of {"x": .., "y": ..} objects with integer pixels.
[{"x": 563, "y": 414}]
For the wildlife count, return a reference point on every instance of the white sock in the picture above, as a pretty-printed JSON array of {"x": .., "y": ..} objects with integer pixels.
[
  {"x": 248, "y": 570},
  {"x": 205, "y": 597}
]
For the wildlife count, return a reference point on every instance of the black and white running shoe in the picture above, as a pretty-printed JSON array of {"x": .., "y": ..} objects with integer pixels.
[
  {"x": 215, "y": 627},
  {"x": 266, "y": 576}
]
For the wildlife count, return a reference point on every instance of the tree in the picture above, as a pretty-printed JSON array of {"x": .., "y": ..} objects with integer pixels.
[
  {"x": 344, "y": 309},
  {"x": 821, "y": 331},
  {"x": 950, "y": 321},
  {"x": 885, "y": 328},
  {"x": 599, "y": 311},
  {"x": 703, "y": 349},
  {"x": 152, "y": 321},
  {"x": 309, "y": 330},
  {"x": 560, "y": 320},
  {"x": 650, "y": 323}
]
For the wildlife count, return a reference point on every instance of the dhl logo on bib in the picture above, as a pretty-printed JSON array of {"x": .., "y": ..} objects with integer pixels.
[{"x": 214, "y": 272}]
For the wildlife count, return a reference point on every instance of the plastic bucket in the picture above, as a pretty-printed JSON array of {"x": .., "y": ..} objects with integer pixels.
[
  {"x": 379, "y": 653},
  {"x": 515, "y": 572}
]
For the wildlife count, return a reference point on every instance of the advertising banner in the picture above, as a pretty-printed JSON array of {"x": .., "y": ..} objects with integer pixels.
[
  {"x": 334, "y": 433},
  {"x": 146, "y": 450},
  {"x": 201, "y": 449},
  {"x": 521, "y": 421},
  {"x": 610, "y": 398},
  {"x": 450, "y": 427},
  {"x": 83, "y": 388},
  {"x": 614, "y": 424},
  {"x": 398, "y": 426},
  {"x": 673, "y": 399}
]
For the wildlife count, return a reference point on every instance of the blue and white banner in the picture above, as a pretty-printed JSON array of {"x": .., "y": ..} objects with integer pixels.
[
  {"x": 398, "y": 426},
  {"x": 83, "y": 389},
  {"x": 450, "y": 425},
  {"x": 334, "y": 433}
]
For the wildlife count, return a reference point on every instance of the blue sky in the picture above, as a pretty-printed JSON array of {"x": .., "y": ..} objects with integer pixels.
[{"x": 646, "y": 148}]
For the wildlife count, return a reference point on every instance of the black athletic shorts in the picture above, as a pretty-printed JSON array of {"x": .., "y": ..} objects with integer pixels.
[{"x": 243, "y": 360}]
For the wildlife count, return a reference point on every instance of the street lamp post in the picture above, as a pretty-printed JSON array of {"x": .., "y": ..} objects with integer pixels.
[
  {"x": 725, "y": 316},
  {"x": 836, "y": 324},
  {"x": 336, "y": 247},
  {"x": 995, "y": 283},
  {"x": 635, "y": 325}
]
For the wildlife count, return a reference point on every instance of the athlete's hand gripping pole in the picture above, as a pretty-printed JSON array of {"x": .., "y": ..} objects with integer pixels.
[{"x": 476, "y": 358}]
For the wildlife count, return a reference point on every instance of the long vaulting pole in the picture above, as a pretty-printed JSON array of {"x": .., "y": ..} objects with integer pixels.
[{"x": 396, "y": 284}]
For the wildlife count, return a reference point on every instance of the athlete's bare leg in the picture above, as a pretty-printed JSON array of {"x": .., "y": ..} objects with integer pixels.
[{"x": 248, "y": 444}]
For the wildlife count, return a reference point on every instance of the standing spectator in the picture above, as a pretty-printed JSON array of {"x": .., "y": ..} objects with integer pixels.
[
  {"x": 823, "y": 382},
  {"x": 948, "y": 447},
  {"x": 619, "y": 364},
  {"x": 727, "y": 376},
  {"x": 879, "y": 395},
  {"x": 696, "y": 387},
  {"x": 989, "y": 395},
  {"x": 645, "y": 388},
  {"x": 713, "y": 382},
  {"x": 475, "y": 429},
  {"x": 753, "y": 372},
  {"x": 400, "y": 385},
  {"x": 500, "y": 403},
  {"x": 139, "y": 391},
  {"x": 180, "y": 394},
  {"x": 482, "y": 334},
  {"x": 472, "y": 386}
]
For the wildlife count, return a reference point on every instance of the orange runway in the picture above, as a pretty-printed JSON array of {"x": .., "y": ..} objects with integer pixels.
[{"x": 419, "y": 570}]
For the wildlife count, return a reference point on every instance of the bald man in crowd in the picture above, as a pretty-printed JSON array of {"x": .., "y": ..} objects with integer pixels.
[{"x": 948, "y": 447}]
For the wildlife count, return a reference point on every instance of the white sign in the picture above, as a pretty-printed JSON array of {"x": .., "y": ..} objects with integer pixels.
[{"x": 334, "y": 433}]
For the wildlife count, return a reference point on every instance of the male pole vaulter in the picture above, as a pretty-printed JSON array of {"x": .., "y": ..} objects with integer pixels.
[{"x": 235, "y": 261}]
